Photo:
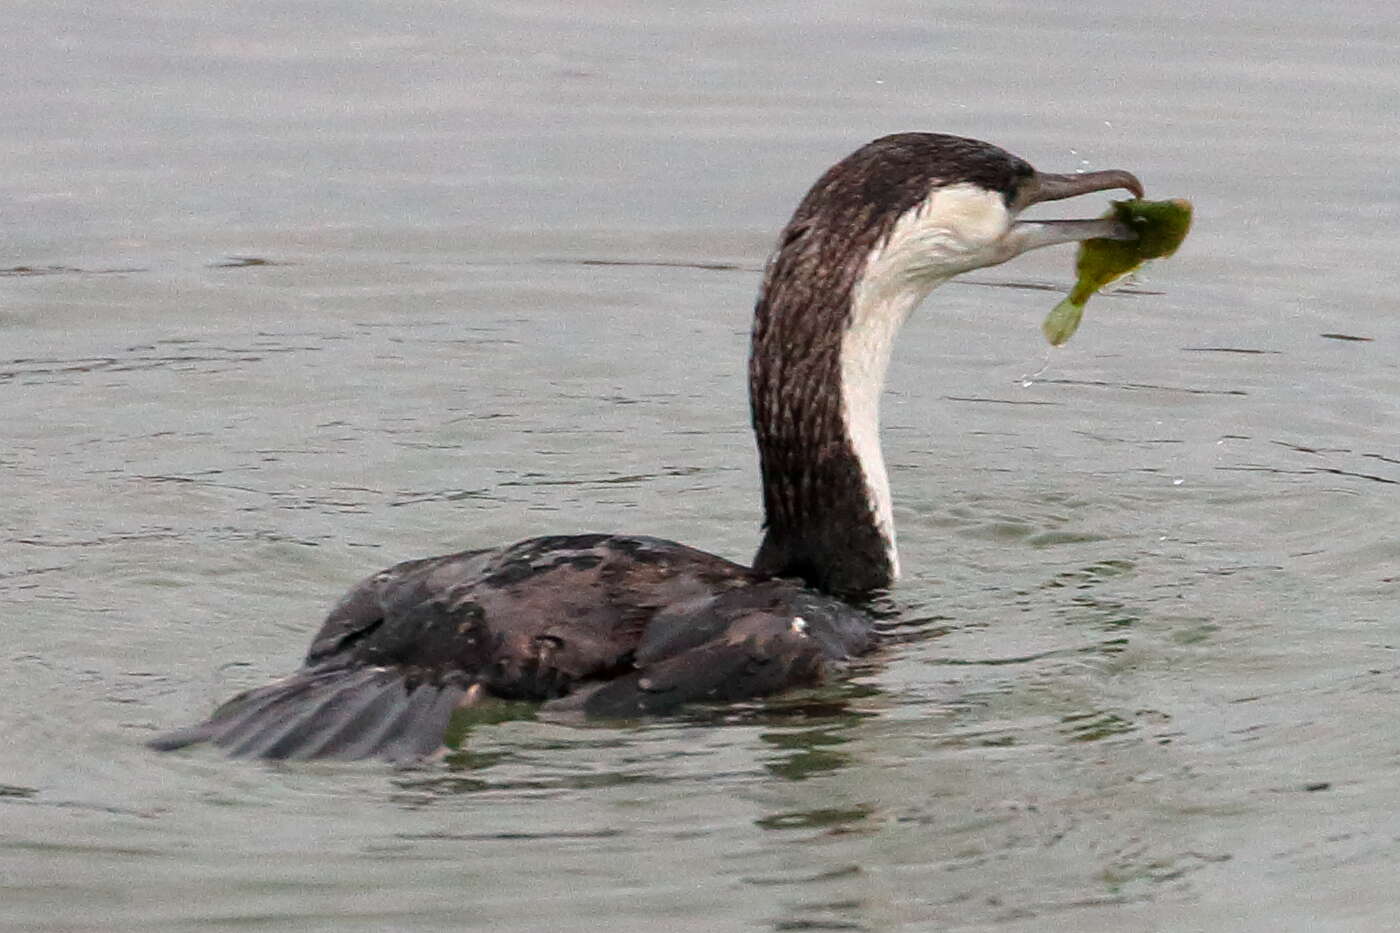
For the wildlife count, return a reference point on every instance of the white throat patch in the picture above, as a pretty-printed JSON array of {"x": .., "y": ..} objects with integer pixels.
[{"x": 955, "y": 229}]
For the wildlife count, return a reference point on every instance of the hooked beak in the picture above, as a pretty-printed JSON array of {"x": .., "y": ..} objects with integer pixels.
[{"x": 1044, "y": 186}]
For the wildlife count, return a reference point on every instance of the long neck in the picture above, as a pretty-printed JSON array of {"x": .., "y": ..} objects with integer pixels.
[
  {"x": 872, "y": 237},
  {"x": 821, "y": 347}
]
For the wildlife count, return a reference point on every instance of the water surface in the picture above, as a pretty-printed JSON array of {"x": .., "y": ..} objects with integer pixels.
[{"x": 292, "y": 294}]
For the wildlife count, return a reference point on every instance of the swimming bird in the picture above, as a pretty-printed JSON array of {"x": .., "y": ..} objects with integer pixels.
[{"x": 619, "y": 625}]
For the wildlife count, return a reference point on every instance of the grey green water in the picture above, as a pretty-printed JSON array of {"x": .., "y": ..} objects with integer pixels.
[{"x": 289, "y": 292}]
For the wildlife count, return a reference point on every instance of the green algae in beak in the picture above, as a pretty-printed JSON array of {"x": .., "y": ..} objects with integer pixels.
[{"x": 1160, "y": 227}]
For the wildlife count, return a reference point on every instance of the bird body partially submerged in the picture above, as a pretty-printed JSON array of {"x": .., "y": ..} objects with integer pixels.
[
  {"x": 609, "y": 625},
  {"x": 623, "y": 626}
]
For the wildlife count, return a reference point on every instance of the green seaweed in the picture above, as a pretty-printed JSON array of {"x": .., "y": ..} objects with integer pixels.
[{"x": 1160, "y": 226}]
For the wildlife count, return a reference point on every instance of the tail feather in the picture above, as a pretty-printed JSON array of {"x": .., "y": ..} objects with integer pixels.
[
  {"x": 398, "y": 717},
  {"x": 286, "y": 728},
  {"x": 234, "y": 718},
  {"x": 343, "y": 713},
  {"x": 407, "y": 742},
  {"x": 251, "y": 731},
  {"x": 358, "y": 719}
]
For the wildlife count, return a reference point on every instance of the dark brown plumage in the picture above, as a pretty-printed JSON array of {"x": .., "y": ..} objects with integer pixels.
[
  {"x": 609, "y": 625},
  {"x": 623, "y": 626},
  {"x": 819, "y": 526}
]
